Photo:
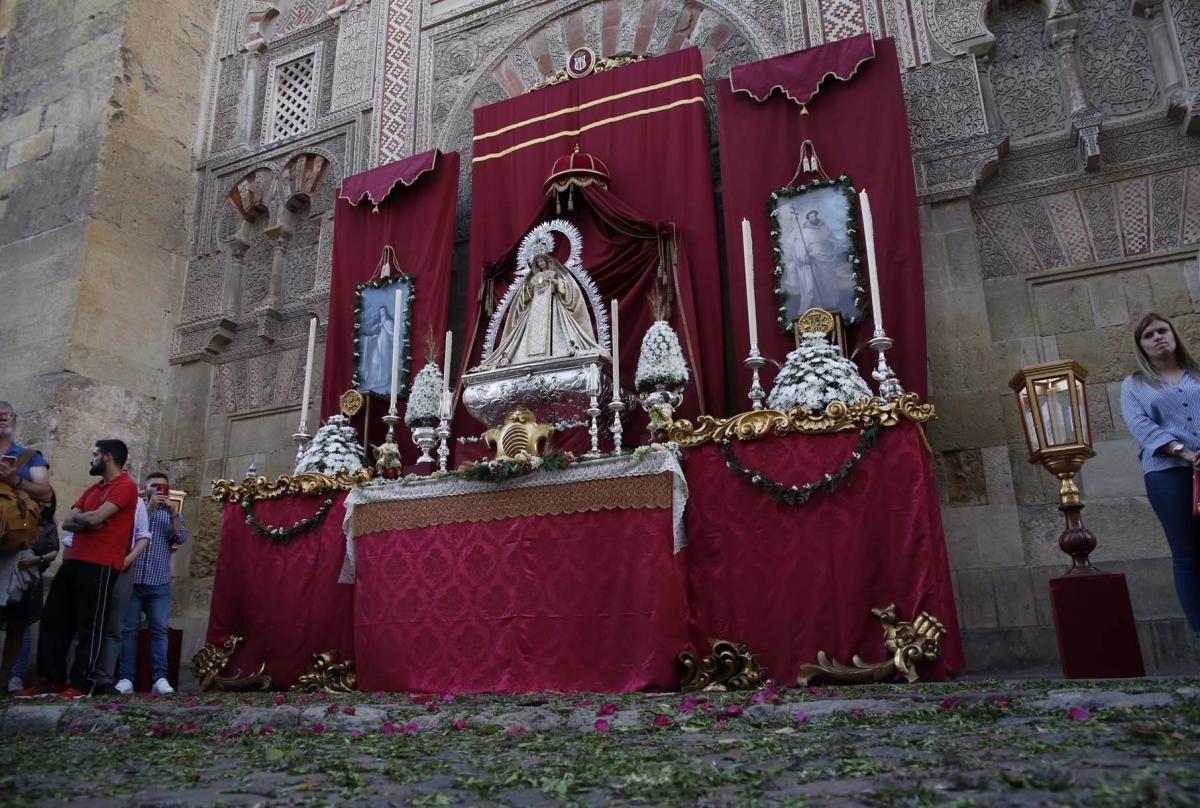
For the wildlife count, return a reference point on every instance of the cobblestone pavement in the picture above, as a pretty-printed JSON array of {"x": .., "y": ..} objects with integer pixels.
[{"x": 1133, "y": 742}]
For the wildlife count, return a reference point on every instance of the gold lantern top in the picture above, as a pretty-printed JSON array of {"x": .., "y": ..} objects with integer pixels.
[{"x": 1052, "y": 401}]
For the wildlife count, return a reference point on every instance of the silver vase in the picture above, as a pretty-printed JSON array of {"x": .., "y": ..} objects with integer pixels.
[{"x": 426, "y": 439}]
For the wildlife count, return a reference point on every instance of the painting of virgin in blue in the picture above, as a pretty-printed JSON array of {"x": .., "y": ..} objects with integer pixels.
[{"x": 376, "y": 324}]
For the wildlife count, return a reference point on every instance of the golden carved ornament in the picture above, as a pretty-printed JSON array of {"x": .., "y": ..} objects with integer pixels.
[
  {"x": 329, "y": 672},
  {"x": 729, "y": 667},
  {"x": 908, "y": 643},
  {"x": 814, "y": 321},
  {"x": 209, "y": 661},
  {"x": 838, "y": 416},
  {"x": 602, "y": 63},
  {"x": 520, "y": 437},
  {"x": 309, "y": 483},
  {"x": 350, "y": 403}
]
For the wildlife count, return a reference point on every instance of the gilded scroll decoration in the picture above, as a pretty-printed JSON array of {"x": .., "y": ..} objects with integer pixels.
[
  {"x": 307, "y": 483},
  {"x": 209, "y": 661},
  {"x": 907, "y": 642},
  {"x": 730, "y": 666},
  {"x": 329, "y": 672}
]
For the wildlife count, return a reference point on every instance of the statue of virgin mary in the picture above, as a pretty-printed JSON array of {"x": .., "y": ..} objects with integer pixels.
[{"x": 547, "y": 318}]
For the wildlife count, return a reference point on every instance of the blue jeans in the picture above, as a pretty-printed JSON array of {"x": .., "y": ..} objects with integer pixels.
[
  {"x": 22, "y": 663},
  {"x": 1170, "y": 494},
  {"x": 155, "y": 601}
]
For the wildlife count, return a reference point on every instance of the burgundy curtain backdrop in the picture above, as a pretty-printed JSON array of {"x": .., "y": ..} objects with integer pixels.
[
  {"x": 282, "y": 599},
  {"x": 584, "y": 601},
  {"x": 409, "y": 205},
  {"x": 647, "y": 121},
  {"x": 790, "y": 581},
  {"x": 856, "y": 121}
]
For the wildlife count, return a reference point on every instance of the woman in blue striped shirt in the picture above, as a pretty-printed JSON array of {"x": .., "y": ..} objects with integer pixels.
[{"x": 1161, "y": 406}]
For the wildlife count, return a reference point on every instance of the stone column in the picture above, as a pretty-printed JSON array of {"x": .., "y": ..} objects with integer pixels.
[
  {"x": 280, "y": 235},
  {"x": 231, "y": 292},
  {"x": 1061, "y": 31}
]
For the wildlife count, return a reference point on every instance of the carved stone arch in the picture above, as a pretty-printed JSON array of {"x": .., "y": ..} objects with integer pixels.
[
  {"x": 960, "y": 27},
  {"x": 303, "y": 175},
  {"x": 486, "y": 72},
  {"x": 253, "y": 193}
]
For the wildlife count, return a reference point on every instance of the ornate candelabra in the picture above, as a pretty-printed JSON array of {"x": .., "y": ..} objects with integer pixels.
[
  {"x": 756, "y": 362},
  {"x": 593, "y": 412},
  {"x": 616, "y": 406},
  {"x": 889, "y": 385},
  {"x": 302, "y": 438},
  {"x": 443, "y": 433},
  {"x": 390, "y": 419}
]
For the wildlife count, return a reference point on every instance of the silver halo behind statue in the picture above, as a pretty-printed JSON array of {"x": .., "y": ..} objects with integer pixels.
[{"x": 544, "y": 339}]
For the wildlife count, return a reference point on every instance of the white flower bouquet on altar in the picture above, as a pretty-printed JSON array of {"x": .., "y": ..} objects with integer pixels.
[
  {"x": 660, "y": 362},
  {"x": 335, "y": 447},
  {"x": 815, "y": 375},
  {"x": 425, "y": 400}
]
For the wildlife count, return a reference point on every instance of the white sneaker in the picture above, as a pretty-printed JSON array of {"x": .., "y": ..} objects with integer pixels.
[
  {"x": 162, "y": 687},
  {"x": 15, "y": 685},
  {"x": 124, "y": 687}
]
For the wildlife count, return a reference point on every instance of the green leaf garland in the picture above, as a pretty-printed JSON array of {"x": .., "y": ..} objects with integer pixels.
[
  {"x": 285, "y": 534},
  {"x": 800, "y": 494}
]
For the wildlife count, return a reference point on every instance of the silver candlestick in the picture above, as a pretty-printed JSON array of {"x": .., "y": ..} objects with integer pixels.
[
  {"x": 616, "y": 406},
  {"x": 755, "y": 362},
  {"x": 390, "y": 419},
  {"x": 889, "y": 385},
  {"x": 593, "y": 412},
  {"x": 443, "y": 433},
  {"x": 301, "y": 437}
]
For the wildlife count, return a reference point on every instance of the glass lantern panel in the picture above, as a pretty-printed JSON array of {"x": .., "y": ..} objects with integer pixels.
[
  {"x": 1081, "y": 397},
  {"x": 1054, "y": 399},
  {"x": 1031, "y": 434}
]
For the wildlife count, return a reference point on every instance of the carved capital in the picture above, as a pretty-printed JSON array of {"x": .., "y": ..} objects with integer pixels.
[
  {"x": 1086, "y": 125},
  {"x": 266, "y": 320},
  {"x": 957, "y": 169},
  {"x": 203, "y": 339}
]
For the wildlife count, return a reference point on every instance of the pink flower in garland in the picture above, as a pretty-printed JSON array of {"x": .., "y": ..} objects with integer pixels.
[
  {"x": 190, "y": 727},
  {"x": 388, "y": 728},
  {"x": 279, "y": 700},
  {"x": 1000, "y": 701},
  {"x": 733, "y": 710},
  {"x": 949, "y": 703},
  {"x": 460, "y": 724},
  {"x": 75, "y": 730},
  {"x": 516, "y": 730},
  {"x": 601, "y": 725},
  {"x": 410, "y": 728},
  {"x": 607, "y": 709},
  {"x": 1078, "y": 714},
  {"x": 349, "y": 710},
  {"x": 662, "y": 721},
  {"x": 192, "y": 702},
  {"x": 157, "y": 731},
  {"x": 800, "y": 717},
  {"x": 687, "y": 704},
  {"x": 317, "y": 729},
  {"x": 266, "y": 730},
  {"x": 448, "y": 697}
]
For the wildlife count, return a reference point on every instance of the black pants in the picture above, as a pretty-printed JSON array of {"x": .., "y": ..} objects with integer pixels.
[{"x": 77, "y": 609}]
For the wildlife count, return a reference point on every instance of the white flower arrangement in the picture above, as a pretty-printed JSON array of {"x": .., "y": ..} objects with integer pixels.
[
  {"x": 661, "y": 358},
  {"x": 333, "y": 448},
  {"x": 815, "y": 375},
  {"x": 425, "y": 400}
]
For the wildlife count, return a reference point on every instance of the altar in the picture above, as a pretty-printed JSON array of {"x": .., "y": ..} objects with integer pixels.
[{"x": 583, "y": 514}]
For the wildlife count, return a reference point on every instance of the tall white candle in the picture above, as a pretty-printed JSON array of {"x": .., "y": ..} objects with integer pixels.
[
  {"x": 446, "y": 361},
  {"x": 395, "y": 351},
  {"x": 869, "y": 237},
  {"x": 308, "y": 366},
  {"x": 616, "y": 353},
  {"x": 748, "y": 264}
]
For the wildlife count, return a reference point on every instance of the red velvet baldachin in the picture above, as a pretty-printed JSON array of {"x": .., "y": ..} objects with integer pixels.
[
  {"x": 282, "y": 598},
  {"x": 860, "y": 129}
]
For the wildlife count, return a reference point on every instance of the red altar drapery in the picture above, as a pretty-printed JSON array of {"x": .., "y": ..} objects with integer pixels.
[
  {"x": 790, "y": 581},
  {"x": 584, "y": 601},
  {"x": 283, "y": 599},
  {"x": 409, "y": 205},
  {"x": 857, "y": 123},
  {"x": 647, "y": 122}
]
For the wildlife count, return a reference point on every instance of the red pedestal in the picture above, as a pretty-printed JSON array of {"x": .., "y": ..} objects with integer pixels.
[{"x": 1097, "y": 636}]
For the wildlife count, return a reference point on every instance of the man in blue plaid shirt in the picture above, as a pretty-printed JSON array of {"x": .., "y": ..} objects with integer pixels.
[{"x": 152, "y": 586}]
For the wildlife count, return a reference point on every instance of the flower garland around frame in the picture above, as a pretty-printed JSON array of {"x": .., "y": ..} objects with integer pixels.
[
  {"x": 396, "y": 277},
  {"x": 798, "y": 495},
  {"x": 285, "y": 534},
  {"x": 843, "y": 185}
]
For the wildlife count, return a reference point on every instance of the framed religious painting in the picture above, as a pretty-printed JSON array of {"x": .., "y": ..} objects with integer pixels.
[
  {"x": 383, "y": 320},
  {"x": 814, "y": 230}
]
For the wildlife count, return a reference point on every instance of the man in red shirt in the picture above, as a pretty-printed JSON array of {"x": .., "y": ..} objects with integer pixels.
[{"x": 77, "y": 608}]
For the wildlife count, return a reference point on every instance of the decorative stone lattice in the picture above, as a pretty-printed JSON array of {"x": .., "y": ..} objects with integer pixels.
[{"x": 293, "y": 99}]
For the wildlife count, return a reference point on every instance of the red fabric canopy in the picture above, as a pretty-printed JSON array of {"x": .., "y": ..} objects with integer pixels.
[
  {"x": 647, "y": 122},
  {"x": 799, "y": 75},
  {"x": 859, "y": 129},
  {"x": 414, "y": 214},
  {"x": 376, "y": 184}
]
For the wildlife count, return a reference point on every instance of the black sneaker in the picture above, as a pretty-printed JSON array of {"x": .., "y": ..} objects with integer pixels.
[{"x": 105, "y": 690}]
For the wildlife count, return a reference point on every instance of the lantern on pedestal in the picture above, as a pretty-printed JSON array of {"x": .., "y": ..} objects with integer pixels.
[{"x": 1093, "y": 618}]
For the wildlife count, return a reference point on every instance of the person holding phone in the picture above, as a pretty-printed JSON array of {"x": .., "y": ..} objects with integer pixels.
[{"x": 152, "y": 586}]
